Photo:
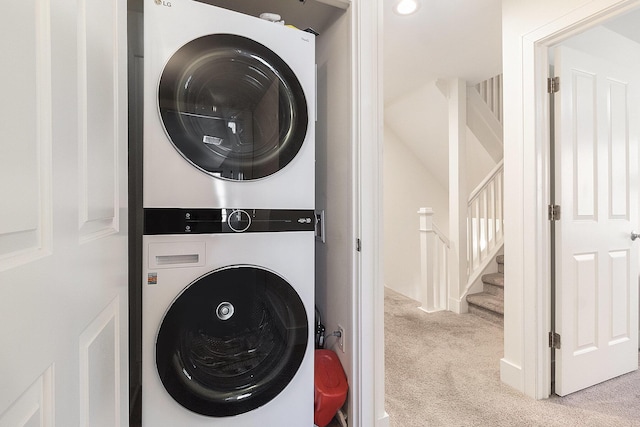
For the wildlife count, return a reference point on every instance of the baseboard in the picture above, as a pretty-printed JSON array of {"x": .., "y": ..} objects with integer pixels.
[
  {"x": 430, "y": 311},
  {"x": 384, "y": 421},
  {"x": 511, "y": 375},
  {"x": 458, "y": 306}
]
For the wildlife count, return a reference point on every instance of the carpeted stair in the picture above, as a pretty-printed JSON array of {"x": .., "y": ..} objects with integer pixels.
[{"x": 489, "y": 304}]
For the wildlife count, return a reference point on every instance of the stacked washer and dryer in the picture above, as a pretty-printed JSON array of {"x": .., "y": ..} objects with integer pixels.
[{"x": 228, "y": 244}]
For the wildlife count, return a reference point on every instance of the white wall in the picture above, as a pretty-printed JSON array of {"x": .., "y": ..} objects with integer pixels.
[
  {"x": 410, "y": 184},
  {"x": 420, "y": 120},
  {"x": 334, "y": 180},
  {"x": 479, "y": 162},
  {"x": 524, "y": 24},
  {"x": 407, "y": 186},
  {"x": 599, "y": 41}
]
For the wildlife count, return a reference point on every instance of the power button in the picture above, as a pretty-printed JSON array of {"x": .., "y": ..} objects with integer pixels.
[{"x": 239, "y": 220}]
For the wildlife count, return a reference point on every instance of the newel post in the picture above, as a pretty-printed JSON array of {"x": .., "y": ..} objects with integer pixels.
[
  {"x": 457, "y": 194},
  {"x": 429, "y": 288}
]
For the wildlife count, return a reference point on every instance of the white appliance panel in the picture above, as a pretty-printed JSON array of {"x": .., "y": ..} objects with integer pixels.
[
  {"x": 288, "y": 254},
  {"x": 172, "y": 181}
]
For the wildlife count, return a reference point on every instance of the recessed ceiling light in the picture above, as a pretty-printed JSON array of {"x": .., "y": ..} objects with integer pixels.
[{"x": 406, "y": 7}]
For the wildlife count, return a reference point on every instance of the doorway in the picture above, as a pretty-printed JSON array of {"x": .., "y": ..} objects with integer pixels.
[
  {"x": 527, "y": 363},
  {"x": 594, "y": 150},
  {"x": 529, "y": 371},
  {"x": 415, "y": 116}
]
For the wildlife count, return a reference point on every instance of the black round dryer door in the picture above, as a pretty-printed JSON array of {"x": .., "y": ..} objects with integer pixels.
[
  {"x": 232, "y": 107},
  {"x": 231, "y": 341}
]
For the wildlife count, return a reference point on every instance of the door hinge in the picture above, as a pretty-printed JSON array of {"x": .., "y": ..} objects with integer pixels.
[
  {"x": 553, "y": 84},
  {"x": 554, "y": 212},
  {"x": 358, "y": 245},
  {"x": 554, "y": 340}
]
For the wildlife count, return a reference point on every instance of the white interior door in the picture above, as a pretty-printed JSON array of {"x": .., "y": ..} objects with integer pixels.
[
  {"x": 63, "y": 229},
  {"x": 596, "y": 149}
]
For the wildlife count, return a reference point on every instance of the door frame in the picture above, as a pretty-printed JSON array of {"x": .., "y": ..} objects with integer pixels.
[
  {"x": 367, "y": 384},
  {"x": 536, "y": 101}
]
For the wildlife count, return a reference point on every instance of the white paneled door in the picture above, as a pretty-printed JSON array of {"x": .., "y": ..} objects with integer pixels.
[
  {"x": 596, "y": 149},
  {"x": 63, "y": 230}
]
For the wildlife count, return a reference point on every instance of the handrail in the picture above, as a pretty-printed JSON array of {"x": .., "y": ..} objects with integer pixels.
[
  {"x": 485, "y": 237},
  {"x": 442, "y": 236},
  {"x": 485, "y": 220},
  {"x": 490, "y": 91},
  {"x": 491, "y": 175},
  {"x": 434, "y": 264}
]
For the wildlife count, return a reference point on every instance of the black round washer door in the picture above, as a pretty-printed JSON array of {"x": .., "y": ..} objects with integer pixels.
[
  {"x": 232, "y": 107},
  {"x": 231, "y": 341}
]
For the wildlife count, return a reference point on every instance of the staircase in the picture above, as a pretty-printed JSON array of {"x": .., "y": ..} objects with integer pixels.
[
  {"x": 485, "y": 119},
  {"x": 489, "y": 304},
  {"x": 484, "y": 225}
]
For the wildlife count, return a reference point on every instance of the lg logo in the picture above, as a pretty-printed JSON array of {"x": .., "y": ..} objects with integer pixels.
[{"x": 163, "y": 3}]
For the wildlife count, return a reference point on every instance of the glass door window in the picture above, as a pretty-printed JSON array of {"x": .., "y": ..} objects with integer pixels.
[
  {"x": 231, "y": 341},
  {"x": 232, "y": 107}
]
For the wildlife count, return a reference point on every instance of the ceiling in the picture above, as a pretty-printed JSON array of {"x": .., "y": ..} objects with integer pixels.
[{"x": 444, "y": 39}]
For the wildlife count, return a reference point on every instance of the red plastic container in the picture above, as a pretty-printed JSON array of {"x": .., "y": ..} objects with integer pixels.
[{"x": 330, "y": 386}]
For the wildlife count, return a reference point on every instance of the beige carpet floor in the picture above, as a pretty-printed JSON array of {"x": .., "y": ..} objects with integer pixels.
[{"x": 442, "y": 369}]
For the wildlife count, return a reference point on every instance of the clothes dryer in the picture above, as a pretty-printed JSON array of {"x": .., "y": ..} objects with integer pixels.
[
  {"x": 228, "y": 300},
  {"x": 229, "y": 109}
]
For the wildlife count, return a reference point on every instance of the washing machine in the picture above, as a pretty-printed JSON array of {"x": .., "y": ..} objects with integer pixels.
[
  {"x": 229, "y": 109},
  {"x": 228, "y": 300}
]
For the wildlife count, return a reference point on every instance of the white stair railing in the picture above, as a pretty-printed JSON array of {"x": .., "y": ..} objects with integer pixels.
[
  {"x": 485, "y": 239},
  {"x": 434, "y": 264},
  {"x": 484, "y": 115},
  {"x": 485, "y": 234},
  {"x": 490, "y": 91},
  {"x": 485, "y": 222}
]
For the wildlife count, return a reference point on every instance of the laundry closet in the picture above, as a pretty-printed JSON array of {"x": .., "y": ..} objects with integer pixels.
[{"x": 324, "y": 254}]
